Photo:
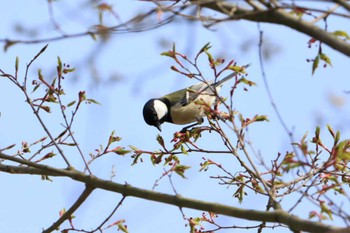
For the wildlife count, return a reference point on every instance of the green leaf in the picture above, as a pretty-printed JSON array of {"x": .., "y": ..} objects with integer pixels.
[
  {"x": 160, "y": 140},
  {"x": 113, "y": 138},
  {"x": 45, "y": 108},
  {"x": 17, "y": 63},
  {"x": 325, "y": 58},
  {"x": 120, "y": 151},
  {"x": 40, "y": 75},
  {"x": 210, "y": 57},
  {"x": 134, "y": 148},
  {"x": 93, "y": 35},
  {"x": 317, "y": 132},
  {"x": 46, "y": 178},
  {"x": 168, "y": 54},
  {"x": 65, "y": 70},
  {"x": 261, "y": 118},
  {"x": 59, "y": 62},
  {"x": 315, "y": 64},
  {"x": 183, "y": 150},
  {"x": 341, "y": 34},
  {"x": 239, "y": 194},
  {"x": 337, "y": 138},
  {"x": 246, "y": 81},
  {"x": 180, "y": 170},
  {"x": 9, "y": 43},
  {"x": 325, "y": 209},
  {"x": 238, "y": 69},
  {"x": 71, "y": 103},
  {"x": 343, "y": 150},
  {"x": 174, "y": 48},
  {"x": 92, "y": 101},
  {"x": 35, "y": 88},
  {"x": 121, "y": 227},
  {"x": 331, "y": 131},
  {"x": 205, "y": 166},
  {"x": 206, "y": 47}
]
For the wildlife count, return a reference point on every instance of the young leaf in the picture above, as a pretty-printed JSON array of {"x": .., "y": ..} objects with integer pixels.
[
  {"x": 261, "y": 118},
  {"x": 343, "y": 150},
  {"x": 160, "y": 140},
  {"x": 45, "y": 108},
  {"x": 168, "y": 54},
  {"x": 210, "y": 57},
  {"x": 205, "y": 48},
  {"x": 36, "y": 87},
  {"x": 8, "y": 147},
  {"x": 238, "y": 69},
  {"x": 134, "y": 148},
  {"x": 120, "y": 151},
  {"x": 239, "y": 194},
  {"x": 331, "y": 131},
  {"x": 71, "y": 103},
  {"x": 40, "y": 75},
  {"x": 59, "y": 62},
  {"x": 66, "y": 70},
  {"x": 180, "y": 170},
  {"x": 9, "y": 43},
  {"x": 326, "y": 210},
  {"x": 315, "y": 64},
  {"x": 183, "y": 150},
  {"x": 47, "y": 156},
  {"x": 17, "y": 63},
  {"x": 342, "y": 34},
  {"x": 92, "y": 101},
  {"x": 246, "y": 81},
  {"x": 325, "y": 58}
]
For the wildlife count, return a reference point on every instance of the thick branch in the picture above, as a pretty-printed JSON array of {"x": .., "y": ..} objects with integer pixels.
[
  {"x": 279, "y": 216},
  {"x": 343, "y": 3},
  {"x": 279, "y": 16}
]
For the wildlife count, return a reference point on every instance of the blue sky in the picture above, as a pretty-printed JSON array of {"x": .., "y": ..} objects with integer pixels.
[{"x": 30, "y": 204}]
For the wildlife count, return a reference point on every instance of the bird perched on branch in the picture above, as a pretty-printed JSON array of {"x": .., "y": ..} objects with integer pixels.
[{"x": 181, "y": 107}]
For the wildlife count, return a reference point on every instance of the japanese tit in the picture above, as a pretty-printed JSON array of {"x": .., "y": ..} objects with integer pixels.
[{"x": 180, "y": 107}]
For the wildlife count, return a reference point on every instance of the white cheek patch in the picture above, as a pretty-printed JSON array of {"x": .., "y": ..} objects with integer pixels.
[{"x": 161, "y": 108}]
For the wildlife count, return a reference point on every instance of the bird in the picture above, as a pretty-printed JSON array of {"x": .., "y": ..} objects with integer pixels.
[{"x": 181, "y": 107}]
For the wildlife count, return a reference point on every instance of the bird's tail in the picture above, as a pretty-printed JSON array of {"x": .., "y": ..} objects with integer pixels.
[{"x": 228, "y": 77}]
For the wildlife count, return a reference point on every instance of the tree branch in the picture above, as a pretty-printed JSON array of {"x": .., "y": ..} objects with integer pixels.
[
  {"x": 68, "y": 214},
  {"x": 293, "y": 222},
  {"x": 279, "y": 16},
  {"x": 343, "y": 3}
]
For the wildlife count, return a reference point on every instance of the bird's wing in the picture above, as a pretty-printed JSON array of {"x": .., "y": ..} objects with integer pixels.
[
  {"x": 195, "y": 90},
  {"x": 185, "y": 96}
]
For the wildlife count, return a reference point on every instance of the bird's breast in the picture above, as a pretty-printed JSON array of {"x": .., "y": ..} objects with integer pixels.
[{"x": 189, "y": 113}]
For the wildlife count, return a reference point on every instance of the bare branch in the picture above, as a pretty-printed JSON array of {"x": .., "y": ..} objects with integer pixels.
[
  {"x": 293, "y": 222},
  {"x": 279, "y": 16},
  {"x": 343, "y": 3},
  {"x": 68, "y": 214}
]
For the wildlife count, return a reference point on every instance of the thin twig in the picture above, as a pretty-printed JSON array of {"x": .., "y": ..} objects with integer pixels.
[
  {"x": 68, "y": 214},
  {"x": 110, "y": 215},
  {"x": 36, "y": 113}
]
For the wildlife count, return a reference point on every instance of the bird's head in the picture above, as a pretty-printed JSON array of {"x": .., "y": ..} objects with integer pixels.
[{"x": 154, "y": 112}]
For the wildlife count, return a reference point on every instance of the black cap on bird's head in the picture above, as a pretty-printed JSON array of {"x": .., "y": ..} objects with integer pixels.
[{"x": 151, "y": 115}]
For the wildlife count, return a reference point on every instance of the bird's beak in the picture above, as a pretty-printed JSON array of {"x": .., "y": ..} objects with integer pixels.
[{"x": 158, "y": 127}]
